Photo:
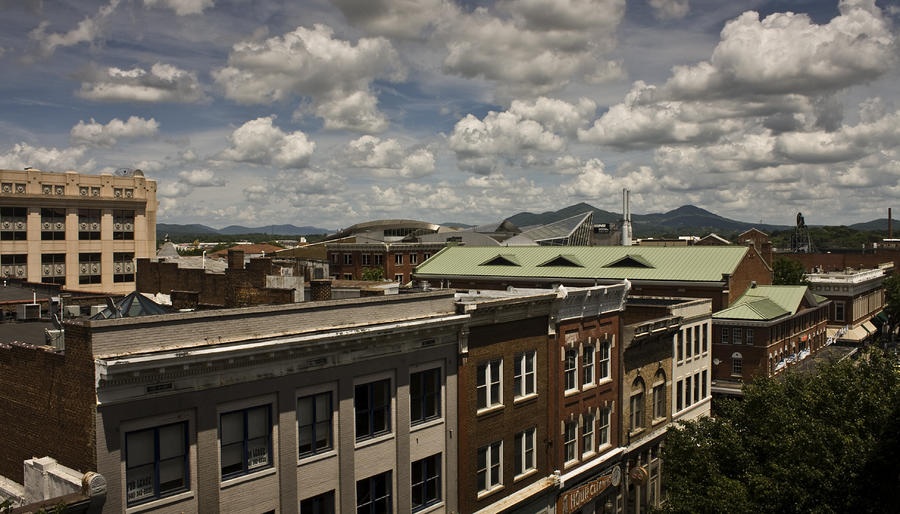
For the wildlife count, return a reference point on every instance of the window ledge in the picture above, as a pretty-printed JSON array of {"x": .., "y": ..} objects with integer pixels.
[
  {"x": 489, "y": 410},
  {"x": 156, "y": 504},
  {"x": 314, "y": 457},
  {"x": 524, "y": 399},
  {"x": 571, "y": 392},
  {"x": 569, "y": 463},
  {"x": 426, "y": 424},
  {"x": 369, "y": 441},
  {"x": 588, "y": 386},
  {"x": 525, "y": 475},
  {"x": 488, "y": 492},
  {"x": 430, "y": 508},
  {"x": 230, "y": 482}
]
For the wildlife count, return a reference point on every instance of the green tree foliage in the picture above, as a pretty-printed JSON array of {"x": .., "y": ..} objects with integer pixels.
[
  {"x": 891, "y": 305},
  {"x": 822, "y": 441},
  {"x": 375, "y": 274},
  {"x": 788, "y": 272}
]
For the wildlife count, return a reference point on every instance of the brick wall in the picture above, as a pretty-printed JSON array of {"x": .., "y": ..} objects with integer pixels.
[{"x": 47, "y": 404}]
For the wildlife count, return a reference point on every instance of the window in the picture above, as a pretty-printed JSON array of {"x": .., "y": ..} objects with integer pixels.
[
  {"x": 490, "y": 467},
  {"x": 156, "y": 462},
  {"x": 398, "y": 278},
  {"x": 737, "y": 364},
  {"x": 489, "y": 384},
  {"x": 587, "y": 434},
  {"x": 13, "y": 223},
  {"x": 123, "y": 267},
  {"x": 348, "y": 259},
  {"x": 587, "y": 365},
  {"x": 314, "y": 423},
  {"x": 53, "y": 268},
  {"x": 679, "y": 345},
  {"x": 89, "y": 268},
  {"x": 88, "y": 224},
  {"x": 736, "y": 335},
  {"x": 748, "y": 336},
  {"x": 703, "y": 385},
  {"x": 725, "y": 334},
  {"x": 687, "y": 343},
  {"x": 426, "y": 256},
  {"x": 348, "y": 276},
  {"x": 570, "y": 370},
  {"x": 525, "y": 442},
  {"x": 679, "y": 396},
  {"x": 697, "y": 340},
  {"x": 246, "y": 438},
  {"x": 379, "y": 259},
  {"x": 687, "y": 391},
  {"x": 705, "y": 339},
  {"x": 321, "y": 504},
  {"x": 570, "y": 440},
  {"x": 603, "y": 428},
  {"x": 426, "y": 482},
  {"x": 524, "y": 382},
  {"x": 53, "y": 224},
  {"x": 424, "y": 395},
  {"x": 603, "y": 367},
  {"x": 366, "y": 259},
  {"x": 14, "y": 265},
  {"x": 372, "y": 405},
  {"x": 696, "y": 387},
  {"x": 398, "y": 258},
  {"x": 373, "y": 495},
  {"x": 637, "y": 404},
  {"x": 335, "y": 258},
  {"x": 413, "y": 258},
  {"x": 659, "y": 401},
  {"x": 839, "y": 311},
  {"x": 123, "y": 225}
]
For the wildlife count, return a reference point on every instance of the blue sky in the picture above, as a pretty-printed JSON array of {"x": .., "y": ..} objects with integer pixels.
[{"x": 330, "y": 113}]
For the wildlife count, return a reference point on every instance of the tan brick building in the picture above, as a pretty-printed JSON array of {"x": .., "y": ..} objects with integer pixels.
[{"x": 80, "y": 231}]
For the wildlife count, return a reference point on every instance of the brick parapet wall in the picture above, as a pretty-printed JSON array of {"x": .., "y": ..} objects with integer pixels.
[{"x": 47, "y": 404}]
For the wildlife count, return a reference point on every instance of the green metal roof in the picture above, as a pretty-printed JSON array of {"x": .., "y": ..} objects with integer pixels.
[
  {"x": 763, "y": 303},
  {"x": 688, "y": 263}
]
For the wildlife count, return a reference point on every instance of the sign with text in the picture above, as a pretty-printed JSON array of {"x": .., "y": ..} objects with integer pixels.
[{"x": 573, "y": 499}]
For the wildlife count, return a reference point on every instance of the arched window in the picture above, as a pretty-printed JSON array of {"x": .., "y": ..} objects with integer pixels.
[
  {"x": 637, "y": 403},
  {"x": 659, "y": 395},
  {"x": 737, "y": 364}
]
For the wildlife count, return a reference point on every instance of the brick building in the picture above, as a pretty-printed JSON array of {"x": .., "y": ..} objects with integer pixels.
[
  {"x": 768, "y": 329},
  {"x": 396, "y": 261},
  {"x": 337, "y": 405},
  {"x": 82, "y": 232}
]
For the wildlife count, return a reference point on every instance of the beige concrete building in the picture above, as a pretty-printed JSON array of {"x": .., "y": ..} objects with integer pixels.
[{"x": 83, "y": 232}]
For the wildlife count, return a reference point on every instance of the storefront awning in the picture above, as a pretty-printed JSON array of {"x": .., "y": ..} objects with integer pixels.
[
  {"x": 855, "y": 335},
  {"x": 869, "y": 326}
]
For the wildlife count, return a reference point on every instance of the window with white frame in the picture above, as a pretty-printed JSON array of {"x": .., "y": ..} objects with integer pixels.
[
  {"x": 748, "y": 336},
  {"x": 424, "y": 395},
  {"x": 524, "y": 378},
  {"x": 490, "y": 381},
  {"x": 366, "y": 259},
  {"x": 314, "y": 423},
  {"x": 603, "y": 427},
  {"x": 379, "y": 259},
  {"x": 525, "y": 443},
  {"x": 687, "y": 391},
  {"x": 372, "y": 408},
  {"x": 697, "y": 340},
  {"x": 724, "y": 334},
  {"x": 736, "y": 335},
  {"x": 587, "y": 365},
  {"x": 705, "y": 338},
  {"x": 570, "y": 369},
  {"x": 737, "y": 364},
  {"x": 659, "y": 396},
  {"x": 490, "y": 467},
  {"x": 398, "y": 258},
  {"x": 425, "y": 482},
  {"x": 156, "y": 462},
  {"x": 413, "y": 258},
  {"x": 373, "y": 494},
  {"x": 679, "y": 345},
  {"x": 603, "y": 369},
  {"x": 587, "y": 434},
  {"x": 703, "y": 385},
  {"x": 679, "y": 396},
  {"x": 246, "y": 441},
  {"x": 570, "y": 440}
]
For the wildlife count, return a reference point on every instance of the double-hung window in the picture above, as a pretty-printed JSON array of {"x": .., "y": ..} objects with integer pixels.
[
  {"x": 525, "y": 442},
  {"x": 319, "y": 504},
  {"x": 156, "y": 462},
  {"x": 424, "y": 395},
  {"x": 603, "y": 427},
  {"x": 373, "y": 494},
  {"x": 587, "y": 365},
  {"x": 524, "y": 382},
  {"x": 314, "y": 423},
  {"x": 659, "y": 401},
  {"x": 603, "y": 365},
  {"x": 490, "y": 383},
  {"x": 570, "y": 370},
  {"x": 425, "y": 482},
  {"x": 570, "y": 440},
  {"x": 372, "y": 406},
  {"x": 587, "y": 434},
  {"x": 490, "y": 467},
  {"x": 246, "y": 439}
]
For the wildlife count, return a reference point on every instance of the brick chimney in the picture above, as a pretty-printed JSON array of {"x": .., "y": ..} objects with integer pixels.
[
  {"x": 320, "y": 289},
  {"x": 235, "y": 259}
]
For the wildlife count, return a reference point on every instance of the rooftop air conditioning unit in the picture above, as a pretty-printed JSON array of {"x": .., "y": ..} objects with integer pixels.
[
  {"x": 28, "y": 311},
  {"x": 97, "y": 309}
]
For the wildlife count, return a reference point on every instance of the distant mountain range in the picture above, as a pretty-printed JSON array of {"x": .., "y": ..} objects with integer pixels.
[{"x": 685, "y": 220}]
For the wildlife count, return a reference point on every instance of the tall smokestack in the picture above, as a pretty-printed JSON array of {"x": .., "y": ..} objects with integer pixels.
[
  {"x": 890, "y": 225},
  {"x": 626, "y": 218}
]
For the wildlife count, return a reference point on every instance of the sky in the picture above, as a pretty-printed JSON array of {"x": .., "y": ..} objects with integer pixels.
[{"x": 329, "y": 113}]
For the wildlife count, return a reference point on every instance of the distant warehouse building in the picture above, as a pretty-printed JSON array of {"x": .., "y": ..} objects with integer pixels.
[{"x": 82, "y": 232}]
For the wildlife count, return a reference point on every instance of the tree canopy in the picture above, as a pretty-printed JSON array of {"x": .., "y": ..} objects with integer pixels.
[
  {"x": 819, "y": 441},
  {"x": 788, "y": 272}
]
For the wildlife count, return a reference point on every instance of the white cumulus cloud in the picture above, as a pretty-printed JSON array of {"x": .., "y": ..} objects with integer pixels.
[
  {"x": 98, "y": 134},
  {"x": 182, "y": 7},
  {"x": 388, "y": 158},
  {"x": 161, "y": 83},
  {"x": 260, "y": 142},
  {"x": 87, "y": 30}
]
